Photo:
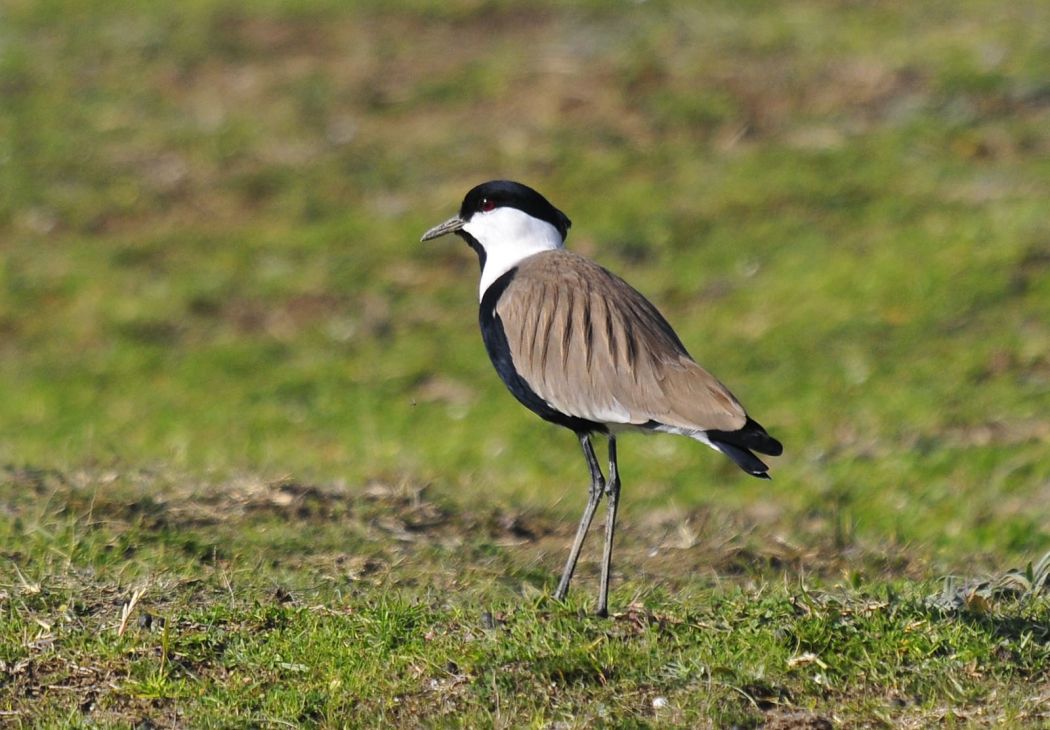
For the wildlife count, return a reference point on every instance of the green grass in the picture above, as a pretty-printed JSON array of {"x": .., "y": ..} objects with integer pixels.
[
  {"x": 253, "y": 603},
  {"x": 231, "y": 377}
]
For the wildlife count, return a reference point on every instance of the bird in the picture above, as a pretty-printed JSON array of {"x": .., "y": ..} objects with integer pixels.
[{"x": 583, "y": 349}]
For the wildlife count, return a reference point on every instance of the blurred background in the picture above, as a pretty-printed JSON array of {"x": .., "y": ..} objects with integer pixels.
[{"x": 209, "y": 257}]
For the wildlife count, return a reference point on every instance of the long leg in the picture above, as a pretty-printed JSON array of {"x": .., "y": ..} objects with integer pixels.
[
  {"x": 593, "y": 497},
  {"x": 612, "y": 490}
]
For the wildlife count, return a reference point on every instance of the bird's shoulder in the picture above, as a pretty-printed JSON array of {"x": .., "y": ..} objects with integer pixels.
[
  {"x": 559, "y": 265},
  {"x": 564, "y": 270}
]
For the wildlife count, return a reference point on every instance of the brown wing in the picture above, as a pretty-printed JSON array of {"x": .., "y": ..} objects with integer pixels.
[{"x": 593, "y": 347}]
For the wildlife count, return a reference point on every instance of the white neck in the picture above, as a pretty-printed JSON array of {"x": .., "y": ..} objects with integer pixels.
[{"x": 508, "y": 236}]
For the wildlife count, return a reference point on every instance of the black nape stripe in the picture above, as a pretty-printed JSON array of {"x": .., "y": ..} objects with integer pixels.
[{"x": 495, "y": 338}]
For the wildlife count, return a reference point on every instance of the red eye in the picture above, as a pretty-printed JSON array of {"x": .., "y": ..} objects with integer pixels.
[{"x": 487, "y": 205}]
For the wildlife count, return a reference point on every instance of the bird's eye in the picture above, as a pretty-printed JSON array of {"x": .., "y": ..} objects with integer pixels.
[{"x": 487, "y": 205}]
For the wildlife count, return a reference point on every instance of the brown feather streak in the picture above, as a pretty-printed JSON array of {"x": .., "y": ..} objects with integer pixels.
[
  {"x": 546, "y": 307},
  {"x": 587, "y": 333},
  {"x": 567, "y": 328},
  {"x": 632, "y": 349},
  {"x": 610, "y": 336}
]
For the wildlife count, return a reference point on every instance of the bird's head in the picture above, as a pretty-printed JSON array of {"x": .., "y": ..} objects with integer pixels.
[{"x": 505, "y": 222}]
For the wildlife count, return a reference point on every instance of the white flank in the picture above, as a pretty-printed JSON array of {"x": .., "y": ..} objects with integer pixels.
[
  {"x": 508, "y": 236},
  {"x": 611, "y": 413},
  {"x": 618, "y": 422},
  {"x": 693, "y": 433}
]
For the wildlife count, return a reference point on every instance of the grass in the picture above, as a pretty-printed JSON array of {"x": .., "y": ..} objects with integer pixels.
[
  {"x": 233, "y": 385},
  {"x": 253, "y": 603}
]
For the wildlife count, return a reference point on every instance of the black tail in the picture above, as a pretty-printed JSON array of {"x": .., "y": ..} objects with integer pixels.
[
  {"x": 737, "y": 445},
  {"x": 744, "y": 459}
]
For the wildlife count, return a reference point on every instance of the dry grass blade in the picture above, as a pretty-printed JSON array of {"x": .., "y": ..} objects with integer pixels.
[{"x": 129, "y": 608}]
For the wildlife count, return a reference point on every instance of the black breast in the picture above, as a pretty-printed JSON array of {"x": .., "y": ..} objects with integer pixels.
[{"x": 495, "y": 338}]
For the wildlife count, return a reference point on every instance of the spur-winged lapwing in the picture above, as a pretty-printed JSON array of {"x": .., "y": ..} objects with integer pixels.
[{"x": 581, "y": 348}]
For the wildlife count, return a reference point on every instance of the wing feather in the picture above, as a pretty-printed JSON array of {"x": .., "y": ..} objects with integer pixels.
[{"x": 592, "y": 347}]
